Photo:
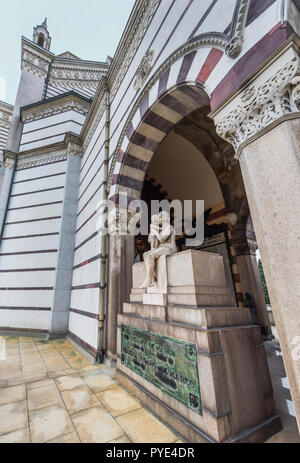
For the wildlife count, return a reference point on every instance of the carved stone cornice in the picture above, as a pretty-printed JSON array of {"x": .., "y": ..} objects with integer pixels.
[
  {"x": 6, "y": 111},
  {"x": 35, "y": 59},
  {"x": 26, "y": 161},
  {"x": 56, "y": 105},
  {"x": 269, "y": 98},
  {"x": 51, "y": 153},
  {"x": 76, "y": 74}
]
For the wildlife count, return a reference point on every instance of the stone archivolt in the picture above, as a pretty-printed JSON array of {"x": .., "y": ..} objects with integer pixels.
[
  {"x": 263, "y": 105},
  {"x": 123, "y": 60}
]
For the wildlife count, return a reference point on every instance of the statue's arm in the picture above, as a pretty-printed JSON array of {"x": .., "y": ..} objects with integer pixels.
[{"x": 165, "y": 234}]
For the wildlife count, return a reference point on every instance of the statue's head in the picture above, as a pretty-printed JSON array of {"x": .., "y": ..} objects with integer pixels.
[
  {"x": 155, "y": 219},
  {"x": 165, "y": 218}
]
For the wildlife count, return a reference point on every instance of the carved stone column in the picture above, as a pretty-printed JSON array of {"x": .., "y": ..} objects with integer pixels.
[
  {"x": 119, "y": 282},
  {"x": 251, "y": 284},
  {"x": 262, "y": 121}
]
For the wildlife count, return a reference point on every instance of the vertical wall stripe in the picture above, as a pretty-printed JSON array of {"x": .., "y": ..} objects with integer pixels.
[
  {"x": 163, "y": 82},
  {"x": 211, "y": 61},
  {"x": 144, "y": 106},
  {"x": 186, "y": 66}
]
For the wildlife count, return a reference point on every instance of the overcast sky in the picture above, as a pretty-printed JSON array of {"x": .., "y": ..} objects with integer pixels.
[{"x": 91, "y": 29}]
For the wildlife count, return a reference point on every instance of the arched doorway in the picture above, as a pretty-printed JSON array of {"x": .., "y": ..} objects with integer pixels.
[{"x": 150, "y": 135}]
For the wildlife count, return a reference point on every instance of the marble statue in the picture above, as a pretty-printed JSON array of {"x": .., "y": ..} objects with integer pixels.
[{"x": 162, "y": 241}]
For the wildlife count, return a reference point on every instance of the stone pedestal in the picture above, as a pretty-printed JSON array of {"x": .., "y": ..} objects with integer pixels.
[
  {"x": 200, "y": 367},
  {"x": 184, "y": 280}
]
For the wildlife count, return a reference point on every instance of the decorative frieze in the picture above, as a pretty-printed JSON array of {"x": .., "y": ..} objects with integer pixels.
[
  {"x": 76, "y": 75},
  {"x": 6, "y": 111},
  {"x": 260, "y": 105},
  {"x": 50, "y": 154},
  {"x": 35, "y": 59},
  {"x": 143, "y": 70},
  {"x": 55, "y": 106},
  {"x": 39, "y": 159},
  {"x": 131, "y": 43}
]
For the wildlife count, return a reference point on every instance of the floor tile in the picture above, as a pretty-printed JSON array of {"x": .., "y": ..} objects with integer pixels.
[
  {"x": 118, "y": 402},
  {"x": 65, "y": 383},
  {"x": 121, "y": 440},
  {"x": 13, "y": 417},
  {"x": 49, "y": 423},
  {"x": 34, "y": 371},
  {"x": 71, "y": 438},
  {"x": 57, "y": 367},
  {"x": 99, "y": 382},
  {"x": 12, "y": 394},
  {"x": 43, "y": 397},
  {"x": 79, "y": 399},
  {"x": 142, "y": 427},
  {"x": 96, "y": 426},
  {"x": 16, "y": 437},
  {"x": 37, "y": 384}
]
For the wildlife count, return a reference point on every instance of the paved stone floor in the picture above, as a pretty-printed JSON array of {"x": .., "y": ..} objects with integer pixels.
[{"x": 49, "y": 392}]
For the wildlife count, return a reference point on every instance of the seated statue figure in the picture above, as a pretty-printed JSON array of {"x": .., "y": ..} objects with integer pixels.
[{"x": 162, "y": 241}]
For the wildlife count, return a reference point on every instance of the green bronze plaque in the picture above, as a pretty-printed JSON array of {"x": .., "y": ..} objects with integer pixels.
[{"x": 167, "y": 363}]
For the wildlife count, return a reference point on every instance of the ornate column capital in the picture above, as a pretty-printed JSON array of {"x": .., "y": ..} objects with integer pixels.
[
  {"x": 271, "y": 96},
  {"x": 9, "y": 159},
  {"x": 252, "y": 247}
]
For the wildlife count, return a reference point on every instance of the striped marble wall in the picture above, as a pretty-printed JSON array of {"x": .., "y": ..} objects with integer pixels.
[
  {"x": 47, "y": 122},
  {"x": 180, "y": 80},
  {"x": 84, "y": 306},
  {"x": 28, "y": 250}
]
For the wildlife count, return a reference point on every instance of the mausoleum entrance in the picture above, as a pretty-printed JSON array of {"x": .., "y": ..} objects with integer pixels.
[{"x": 182, "y": 157}]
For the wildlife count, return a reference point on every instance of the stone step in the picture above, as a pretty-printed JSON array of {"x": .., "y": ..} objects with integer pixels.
[
  {"x": 199, "y": 317},
  {"x": 280, "y": 383}
]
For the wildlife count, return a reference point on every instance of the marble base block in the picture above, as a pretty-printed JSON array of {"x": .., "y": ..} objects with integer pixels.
[
  {"x": 192, "y": 278},
  {"x": 191, "y": 357}
]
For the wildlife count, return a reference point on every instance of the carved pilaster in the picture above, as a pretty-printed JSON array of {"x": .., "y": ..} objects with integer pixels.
[
  {"x": 9, "y": 158},
  {"x": 252, "y": 247},
  {"x": 273, "y": 95}
]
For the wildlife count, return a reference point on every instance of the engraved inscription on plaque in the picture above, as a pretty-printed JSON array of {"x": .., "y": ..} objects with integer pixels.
[{"x": 167, "y": 363}]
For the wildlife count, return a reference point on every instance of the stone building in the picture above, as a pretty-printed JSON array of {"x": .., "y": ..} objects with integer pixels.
[{"x": 200, "y": 101}]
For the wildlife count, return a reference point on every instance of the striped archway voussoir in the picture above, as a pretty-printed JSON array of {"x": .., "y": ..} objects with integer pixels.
[{"x": 154, "y": 124}]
